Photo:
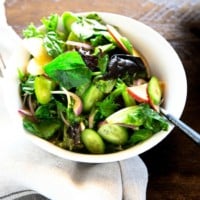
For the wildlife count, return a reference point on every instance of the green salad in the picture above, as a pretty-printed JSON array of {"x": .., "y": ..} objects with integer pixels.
[{"x": 86, "y": 88}]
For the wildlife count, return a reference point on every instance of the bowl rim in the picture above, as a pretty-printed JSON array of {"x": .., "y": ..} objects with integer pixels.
[{"x": 111, "y": 157}]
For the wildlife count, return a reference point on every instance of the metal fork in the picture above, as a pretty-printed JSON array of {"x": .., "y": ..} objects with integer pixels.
[{"x": 184, "y": 127}]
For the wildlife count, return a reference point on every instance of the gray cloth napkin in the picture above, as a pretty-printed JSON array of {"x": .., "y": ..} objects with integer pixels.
[{"x": 25, "y": 168}]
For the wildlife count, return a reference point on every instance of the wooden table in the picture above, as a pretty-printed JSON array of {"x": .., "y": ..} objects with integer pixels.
[{"x": 174, "y": 164}]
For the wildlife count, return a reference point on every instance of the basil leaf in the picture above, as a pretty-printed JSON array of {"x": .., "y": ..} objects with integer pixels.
[
  {"x": 69, "y": 70},
  {"x": 53, "y": 44}
]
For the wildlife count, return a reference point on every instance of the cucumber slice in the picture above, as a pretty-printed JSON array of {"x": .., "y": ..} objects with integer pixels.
[
  {"x": 154, "y": 91},
  {"x": 68, "y": 19},
  {"x": 43, "y": 87},
  {"x": 113, "y": 133},
  {"x": 90, "y": 97},
  {"x": 93, "y": 142}
]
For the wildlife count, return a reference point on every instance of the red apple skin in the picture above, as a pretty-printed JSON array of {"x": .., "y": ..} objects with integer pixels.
[
  {"x": 139, "y": 93},
  {"x": 154, "y": 106},
  {"x": 116, "y": 36}
]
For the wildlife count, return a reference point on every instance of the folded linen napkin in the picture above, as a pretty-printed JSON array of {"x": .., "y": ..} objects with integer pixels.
[{"x": 25, "y": 168}]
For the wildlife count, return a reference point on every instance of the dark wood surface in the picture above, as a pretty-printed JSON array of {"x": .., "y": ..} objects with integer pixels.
[{"x": 174, "y": 164}]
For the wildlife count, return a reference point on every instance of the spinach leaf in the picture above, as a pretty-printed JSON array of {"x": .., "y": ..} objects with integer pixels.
[{"x": 69, "y": 70}]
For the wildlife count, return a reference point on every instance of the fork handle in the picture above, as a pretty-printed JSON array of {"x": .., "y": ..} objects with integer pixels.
[{"x": 184, "y": 127}]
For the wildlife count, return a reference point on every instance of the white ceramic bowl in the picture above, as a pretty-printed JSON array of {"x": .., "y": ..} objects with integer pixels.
[{"x": 163, "y": 62}]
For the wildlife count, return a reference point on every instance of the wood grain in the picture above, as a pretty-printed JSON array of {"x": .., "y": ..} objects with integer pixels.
[{"x": 174, "y": 164}]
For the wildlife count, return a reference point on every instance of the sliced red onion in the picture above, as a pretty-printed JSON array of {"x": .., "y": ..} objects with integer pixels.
[
  {"x": 30, "y": 105},
  {"x": 25, "y": 112},
  {"x": 78, "y": 106},
  {"x": 79, "y": 44}
]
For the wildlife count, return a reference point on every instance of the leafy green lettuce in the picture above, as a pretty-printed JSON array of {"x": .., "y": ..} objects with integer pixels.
[
  {"x": 32, "y": 31},
  {"x": 141, "y": 116},
  {"x": 51, "y": 22},
  {"x": 44, "y": 129}
]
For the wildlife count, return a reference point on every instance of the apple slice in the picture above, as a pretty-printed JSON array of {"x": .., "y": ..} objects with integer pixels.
[
  {"x": 34, "y": 68},
  {"x": 121, "y": 41},
  {"x": 139, "y": 92},
  {"x": 36, "y": 48},
  {"x": 150, "y": 93}
]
